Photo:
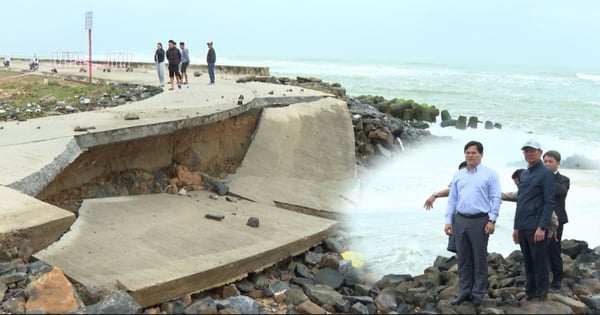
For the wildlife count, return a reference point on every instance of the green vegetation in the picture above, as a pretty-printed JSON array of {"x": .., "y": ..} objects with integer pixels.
[{"x": 32, "y": 89}]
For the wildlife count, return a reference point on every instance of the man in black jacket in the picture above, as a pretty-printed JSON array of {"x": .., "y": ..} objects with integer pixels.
[
  {"x": 211, "y": 59},
  {"x": 561, "y": 187},
  {"x": 535, "y": 203},
  {"x": 174, "y": 58}
]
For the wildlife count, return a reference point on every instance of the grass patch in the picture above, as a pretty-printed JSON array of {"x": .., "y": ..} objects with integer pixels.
[{"x": 29, "y": 89}]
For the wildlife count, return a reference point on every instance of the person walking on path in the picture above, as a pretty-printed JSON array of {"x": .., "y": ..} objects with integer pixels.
[
  {"x": 535, "y": 203},
  {"x": 174, "y": 58},
  {"x": 473, "y": 207},
  {"x": 185, "y": 61},
  {"x": 211, "y": 59},
  {"x": 561, "y": 187},
  {"x": 6, "y": 62},
  {"x": 440, "y": 194},
  {"x": 159, "y": 59}
]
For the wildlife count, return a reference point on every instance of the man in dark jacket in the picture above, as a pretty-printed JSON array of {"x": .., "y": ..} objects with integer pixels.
[
  {"x": 211, "y": 59},
  {"x": 561, "y": 187},
  {"x": 535, "y": 203},
  {"x": 174, "y": 58}
]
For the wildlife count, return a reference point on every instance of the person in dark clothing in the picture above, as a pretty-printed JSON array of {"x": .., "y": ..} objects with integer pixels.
[
  {"x": 211, "y": 59},
  {"x": 535, "y": 203},
  {"x": 159, "y": 59},
  {"x": 473, "y": 206},
  {"x": 174, "y": 58},
  {"x": 561, "y": 187}
]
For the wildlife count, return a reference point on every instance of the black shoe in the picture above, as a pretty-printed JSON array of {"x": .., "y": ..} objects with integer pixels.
[
  {"x": 476, "y": 301},
  {"x": 555, "y": 285},
  {"x": 459, "y": 299}
]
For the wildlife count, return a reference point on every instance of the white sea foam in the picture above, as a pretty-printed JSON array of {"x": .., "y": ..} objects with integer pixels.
[
  {"x": 589, "y": 77},
  {"x": 393, "y": 230}
]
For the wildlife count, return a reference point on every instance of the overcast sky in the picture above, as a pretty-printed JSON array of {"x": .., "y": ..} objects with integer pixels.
[{"x": 539, "y": 32}]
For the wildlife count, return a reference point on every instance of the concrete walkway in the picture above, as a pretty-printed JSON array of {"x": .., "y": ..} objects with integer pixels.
[{"x": 159, "y": 247}]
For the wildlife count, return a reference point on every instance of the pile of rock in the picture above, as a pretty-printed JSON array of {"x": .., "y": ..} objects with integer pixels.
[
  {"x": 120, "y": 93},
  {"x": 384, "y": 127},
  {"x": 321, "y": 280},
  {"x": 309, "y": 83}
]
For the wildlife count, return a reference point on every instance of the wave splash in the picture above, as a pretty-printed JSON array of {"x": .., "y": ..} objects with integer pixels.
[{"x": 588, "y": 77}]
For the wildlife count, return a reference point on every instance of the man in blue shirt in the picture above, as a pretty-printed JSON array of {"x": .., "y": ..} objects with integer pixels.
[
  {"x": 471, "y": 213},
  {"x": 535, "y": 203}
]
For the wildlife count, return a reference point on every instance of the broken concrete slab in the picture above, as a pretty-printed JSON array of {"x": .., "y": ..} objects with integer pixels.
[
  {"x": 302, "y": 156},
  {"x": 159, "y": 247},
  {"x": 40, "y": 222}
]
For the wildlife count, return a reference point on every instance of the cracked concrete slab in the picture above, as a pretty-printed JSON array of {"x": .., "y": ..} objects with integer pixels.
[
  {"x": 302, "y": 155},
  {"x": 162, "y": 246}
]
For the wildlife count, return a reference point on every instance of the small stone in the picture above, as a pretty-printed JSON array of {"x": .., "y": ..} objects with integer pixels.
[
  {"x": 230, "y": 199},
  {"x": 309, "y": 307},
  {"x": 131, "y": 116},
  {"x": 230, "y": 290},
  {"x": 220, "y": 188},
  {"x": 182, "y": 192},
  {"x": 253, "y": 222},
  {"x": 214, "y": 216},
  {"x": 82, "y": 128},
  {"x": 214, "y": 197}
]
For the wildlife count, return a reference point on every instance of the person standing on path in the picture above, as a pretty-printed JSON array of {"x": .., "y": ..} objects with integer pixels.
[
  {"x": 185, "y": 61},
  {"x": 439, "y": 194},
  {"x": 473, "y": 207},
  {"x": 174, "y": 58},
  {"x": 211, "y": 59},
  {"x": 561, "y": 187},
  {"x": 535, "y": 203},
  {"x": 159, "y": 59}
]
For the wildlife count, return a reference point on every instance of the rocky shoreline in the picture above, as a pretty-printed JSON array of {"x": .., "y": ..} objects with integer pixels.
[
  {"x": 325, "y": 278},
  {"x": 321, "y": 281}
]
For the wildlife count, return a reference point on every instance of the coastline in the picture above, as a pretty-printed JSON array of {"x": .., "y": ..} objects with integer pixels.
[{"x": 430, "y": 300}]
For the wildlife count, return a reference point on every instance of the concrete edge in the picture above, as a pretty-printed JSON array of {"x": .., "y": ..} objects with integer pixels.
[
  {"x": 43, "y": 235},
  {"x": 37, "y": 181},
  {"x": 228, "y": 273},
  {"x": 92, "y": 139}
]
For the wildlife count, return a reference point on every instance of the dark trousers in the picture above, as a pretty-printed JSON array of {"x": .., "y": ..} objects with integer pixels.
[
  {"x": 211, "y": 72},
  {"x": 555, "y": 260},
  {"x": 536, "y": 268},
  {"x": 471, "y": 255}
]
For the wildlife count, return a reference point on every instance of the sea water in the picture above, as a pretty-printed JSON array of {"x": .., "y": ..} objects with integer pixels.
[{"x": 558, "y": 107}]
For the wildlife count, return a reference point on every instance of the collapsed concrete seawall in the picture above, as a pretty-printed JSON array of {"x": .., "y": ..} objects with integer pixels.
[
  {"x": 219, "y": 140},
  {"x": 282, "y": 160},
  {"x": 201, "y": 128}
]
